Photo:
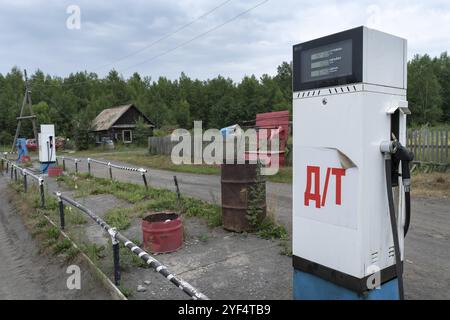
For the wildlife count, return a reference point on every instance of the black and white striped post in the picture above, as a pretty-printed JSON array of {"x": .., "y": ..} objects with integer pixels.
[
  {"x": 152, "y": 262},
  {"x": 62, "y": 220}
]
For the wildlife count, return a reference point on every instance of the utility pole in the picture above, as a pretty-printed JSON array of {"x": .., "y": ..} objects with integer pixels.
[{"x": 32, "y": 117}]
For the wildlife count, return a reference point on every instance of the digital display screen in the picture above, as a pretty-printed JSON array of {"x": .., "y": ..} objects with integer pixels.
[{"x": 326, "y": 62}]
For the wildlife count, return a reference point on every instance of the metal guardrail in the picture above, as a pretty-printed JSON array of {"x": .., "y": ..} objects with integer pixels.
[
  {"x": 117, "y": 238},
  {"x": 110, "y": 166},
  {"x": 13, "y": 168}
]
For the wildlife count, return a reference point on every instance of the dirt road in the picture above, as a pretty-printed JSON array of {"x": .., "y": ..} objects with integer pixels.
[{"x": 26, "y": 274}]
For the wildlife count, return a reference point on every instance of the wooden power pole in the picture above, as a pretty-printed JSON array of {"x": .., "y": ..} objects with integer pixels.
[{"x": 32, "y": 117}]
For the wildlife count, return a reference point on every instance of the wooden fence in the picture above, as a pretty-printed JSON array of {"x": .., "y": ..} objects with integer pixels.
[{"x": 429, "y": 145}]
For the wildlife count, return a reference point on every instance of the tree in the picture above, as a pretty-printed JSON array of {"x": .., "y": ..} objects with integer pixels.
[
  {"x": 141, "y": 132},
  {"x": 423, "y": 91}
]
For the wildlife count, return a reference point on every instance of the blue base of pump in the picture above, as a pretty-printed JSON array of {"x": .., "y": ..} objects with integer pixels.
[
  {"x": 311, "y": 287},
  {"x": 46, "y": 165}
]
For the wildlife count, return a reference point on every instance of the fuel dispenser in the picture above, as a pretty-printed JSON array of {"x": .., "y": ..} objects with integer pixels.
[
  {"x": 47, "y": 148},
  {"x": 350, "y": 211}
]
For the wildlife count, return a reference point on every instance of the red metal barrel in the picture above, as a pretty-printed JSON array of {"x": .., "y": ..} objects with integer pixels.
[{"x": 162, "y": 232}]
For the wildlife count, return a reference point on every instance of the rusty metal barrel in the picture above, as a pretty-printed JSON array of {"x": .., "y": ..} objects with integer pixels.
[{"x": 237, "y": 181}]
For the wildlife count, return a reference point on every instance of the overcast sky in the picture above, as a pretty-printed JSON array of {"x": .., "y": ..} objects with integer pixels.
[{"x": 34, "y": 33}]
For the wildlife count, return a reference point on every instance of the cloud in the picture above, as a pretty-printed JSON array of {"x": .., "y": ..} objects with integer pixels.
[{"x": 34, "y": 33}]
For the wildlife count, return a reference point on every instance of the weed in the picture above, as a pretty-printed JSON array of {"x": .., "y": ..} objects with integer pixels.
[
  {"x": 127, "y": 292},
  {"x": 61, "y": 246},
  {"x": 117, "y": 218},
  {"x": 268, "y": 229},
  {"x": 52, "y": 233}
]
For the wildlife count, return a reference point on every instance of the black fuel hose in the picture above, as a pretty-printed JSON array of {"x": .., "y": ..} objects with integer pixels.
[
  {"x": 407, "y": 212},
  {"x": 398, "y": 262}
]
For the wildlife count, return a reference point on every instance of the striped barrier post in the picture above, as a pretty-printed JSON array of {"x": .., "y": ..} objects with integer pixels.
[{"x": 152, "y": 262}]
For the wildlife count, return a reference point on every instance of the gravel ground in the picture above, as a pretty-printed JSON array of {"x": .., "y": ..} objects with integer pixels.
[
  {"x": 26, "y": 274},
  {"x": 427, "y": 246}
]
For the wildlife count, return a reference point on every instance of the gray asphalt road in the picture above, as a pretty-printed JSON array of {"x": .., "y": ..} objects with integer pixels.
[
  {"x": 204, "y": 187},
  {"x": 427, "y": 268},
  {"x": 26, "y": 274}
]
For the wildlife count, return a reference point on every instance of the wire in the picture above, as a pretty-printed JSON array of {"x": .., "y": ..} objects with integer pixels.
[
  {"x": 172, "y": 49},
  {"x": 166, "y": 36},
  {"x": 197, "y": 36}
]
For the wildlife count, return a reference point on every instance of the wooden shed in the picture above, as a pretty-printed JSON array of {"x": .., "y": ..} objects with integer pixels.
[{"x": 119, "y": 124}]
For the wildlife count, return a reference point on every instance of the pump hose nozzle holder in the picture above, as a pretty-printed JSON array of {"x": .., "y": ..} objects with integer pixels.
[{"x": 394, "y": 153}]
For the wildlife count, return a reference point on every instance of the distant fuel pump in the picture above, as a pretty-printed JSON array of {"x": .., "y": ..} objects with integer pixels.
[
  {"x": 350, "y": 213},
  {"x": 47, "y": 147}
]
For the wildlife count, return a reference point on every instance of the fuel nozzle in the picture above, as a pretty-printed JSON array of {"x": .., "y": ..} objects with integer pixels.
[{"x": 405, "y": 156}]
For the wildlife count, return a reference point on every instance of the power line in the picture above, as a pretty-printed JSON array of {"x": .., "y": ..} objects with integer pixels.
[
  {"x": 197, "y": 36},
  {"x": 178, "y": 46},
  {"x": 166, "y": 36}
]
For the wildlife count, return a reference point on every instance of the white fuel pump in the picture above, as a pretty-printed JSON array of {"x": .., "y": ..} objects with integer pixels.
[
  {"x": 47, "y": 147},
  {"x": 349, "y": 100}
]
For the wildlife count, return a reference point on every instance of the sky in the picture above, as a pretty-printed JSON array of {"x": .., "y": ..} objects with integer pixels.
[{"x": 201, "y": 38}]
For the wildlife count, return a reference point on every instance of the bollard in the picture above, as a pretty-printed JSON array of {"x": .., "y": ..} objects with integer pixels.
[
  {"x": 61, "y": 211},
  {"x": 76, "y": 166},
  {"x": 176, "y": 185},
  {"x": 64, "y": 164},
  {"x": 15, "y": 174},
  {"x": 7, "y": 166},
  {"x": 89, "y": 165},
  {"x": 116, "y": 255},
  {"x": 41, "y": 190},
  {"x": 110, "y": 170},
  {"x": 142, "y": 171},
  {"x": 3, "y": 165},
  {"x": 25, "y": 187},
  {"x": 12, "y": 169}
]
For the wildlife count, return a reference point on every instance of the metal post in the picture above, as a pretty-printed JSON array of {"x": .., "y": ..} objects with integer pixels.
[
  {"x": 61, "y": 211},
  {"x": 7, "y": 166},
  {"x": 12, "y": 169},
  {"x": 110, "y": 170},
  {"x": 25, "y": 187},
  {"x": 89, "y": 165},
  {"x": 41, "y": 190},
  {"x": 64, "y": 164},
  {"x": 76, "y": 166},
  {"x": 176, "y": 186},
  {"x": 143, "y": 171},
  {"x": 116, "y": 255},
  {"x": 15, "y": 174},
  {"x": 3, "y": 165}
]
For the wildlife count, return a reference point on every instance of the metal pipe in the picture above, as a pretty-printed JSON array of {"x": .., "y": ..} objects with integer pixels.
[
  {"x": 25, "y": 187},
  {"x": 41, "y": 190},
  {"x": 62, "y": 219},
  {"x": 152, "y": 262}
]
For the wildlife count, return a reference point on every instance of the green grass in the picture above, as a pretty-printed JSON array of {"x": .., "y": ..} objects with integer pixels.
[{"x": 155, "y": 200}]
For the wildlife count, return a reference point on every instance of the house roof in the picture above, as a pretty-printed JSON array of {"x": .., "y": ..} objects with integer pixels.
[{"x": 106, "y": 119}]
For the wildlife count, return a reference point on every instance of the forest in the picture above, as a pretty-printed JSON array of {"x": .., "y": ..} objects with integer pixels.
[{"x": 72, "y": 102}]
